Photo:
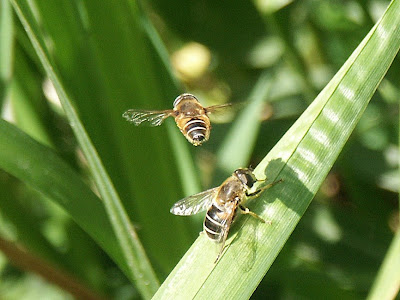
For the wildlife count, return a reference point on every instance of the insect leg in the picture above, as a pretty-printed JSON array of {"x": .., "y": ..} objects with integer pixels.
[
  {"x": 257, "y": 193},
  {"x": 247, "y": 211}
]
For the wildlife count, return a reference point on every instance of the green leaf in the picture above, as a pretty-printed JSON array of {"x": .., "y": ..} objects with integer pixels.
[
  {"x": 103, "y": 80},
  {"x": 233, "y": 153},
  {"x": 25, "y": 225},
  {"x": 22, "y": 157},
  {"x": 6, "y": 46},
  {"x": 138, "y": 266},
  {"x": 387, "y": 283},
  {"x": 302, "y": 158}
]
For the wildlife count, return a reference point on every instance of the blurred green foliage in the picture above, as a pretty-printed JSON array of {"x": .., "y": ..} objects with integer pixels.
[{"x": 108, "y": 59}]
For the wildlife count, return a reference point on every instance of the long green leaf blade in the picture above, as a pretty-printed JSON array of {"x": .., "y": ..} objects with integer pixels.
[
  {"x": 6, "y": 46},
  {"x": 387, "y": 283},
  {"x": 139, "y": 266},
  {"x": 233, "y": 153},
  {"x": 302, "y": 158},
  {"x": 22, "y": 156}
]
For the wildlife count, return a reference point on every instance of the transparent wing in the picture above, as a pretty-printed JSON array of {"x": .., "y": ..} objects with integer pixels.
[
  {"x": 194, "y": 204},
  {"x": 226, "y": 226},
  {"x": 223, "y": 113},
  {"x": 153, "y": 117},
  {"x": 220, "y": 108}
]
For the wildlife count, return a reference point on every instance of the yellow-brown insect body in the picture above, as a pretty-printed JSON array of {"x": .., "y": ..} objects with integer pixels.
[
  {"x": 191, "y": 118},
  {"x": 222, "y": 204},
  {"x": 223, "y": 210}
]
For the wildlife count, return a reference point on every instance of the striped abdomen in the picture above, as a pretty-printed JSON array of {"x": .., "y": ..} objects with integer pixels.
[
  {"x": 215, "y": 223},
  {"x": 197, "y": 131}
]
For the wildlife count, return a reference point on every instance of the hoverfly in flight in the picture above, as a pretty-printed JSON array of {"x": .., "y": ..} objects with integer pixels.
[
  {"x": 190, "y": 117},
  {"x": 222, "y": 204}
]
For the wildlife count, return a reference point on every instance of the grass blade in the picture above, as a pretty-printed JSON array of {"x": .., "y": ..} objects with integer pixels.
[
  {"x": 387, "y": 283},
  {"x": 6, "y": 46},
  {"x": 22, "y": 157},
  {"x": 302, "y": 158},
  {"x": 233, "y": 153},
  {"x": 139, "y": 268}
]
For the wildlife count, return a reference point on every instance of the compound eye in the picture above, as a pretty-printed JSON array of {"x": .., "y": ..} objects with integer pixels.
[
  {"x": 249, "y": 180},
  {"x": 246, "y": 177}
]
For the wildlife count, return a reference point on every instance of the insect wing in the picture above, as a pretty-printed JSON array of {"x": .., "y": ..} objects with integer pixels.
[
  {"x": 227, "y": 222},
  {"x": 194, "y": 204},
  {"x": 219, "y": 108},
  {"x": 225, "y": 226},
  {"x": 152, "y": 118},
  {"x": 223, "y": 113}
]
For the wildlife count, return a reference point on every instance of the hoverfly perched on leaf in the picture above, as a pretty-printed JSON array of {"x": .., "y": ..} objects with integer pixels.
[
  {"x": 190, "y": 117},
  {"x": 222, "y": 204}
]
